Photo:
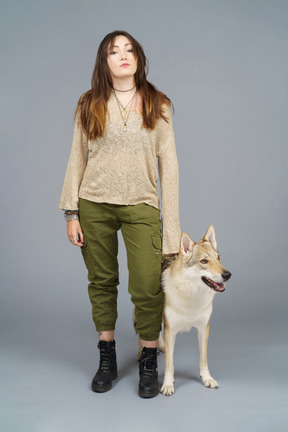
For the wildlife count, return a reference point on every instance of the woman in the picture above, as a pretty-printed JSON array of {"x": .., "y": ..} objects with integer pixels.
[{"x": 122, "y": 127}]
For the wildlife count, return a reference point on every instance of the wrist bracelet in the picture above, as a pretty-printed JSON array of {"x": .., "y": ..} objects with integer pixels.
[
  {"x": 71, "y": 216},
  {"x": 71, "y": 211}
]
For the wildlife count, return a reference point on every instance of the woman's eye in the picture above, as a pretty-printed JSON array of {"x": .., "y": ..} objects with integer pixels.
[
  {"x": 131, "y": 50},
  {"x": 112, "y": 52},
  {"x": 204, "y": 261}
]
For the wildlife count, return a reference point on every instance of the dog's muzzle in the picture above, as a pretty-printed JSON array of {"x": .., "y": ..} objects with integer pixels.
[{"x": 218, "y": 287}]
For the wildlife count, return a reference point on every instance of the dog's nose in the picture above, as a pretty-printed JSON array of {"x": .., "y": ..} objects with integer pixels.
[{"x": 226, "y": 275}]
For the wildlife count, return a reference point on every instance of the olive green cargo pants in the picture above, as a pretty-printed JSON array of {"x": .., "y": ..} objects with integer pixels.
[{"x": 140, "y": 227}]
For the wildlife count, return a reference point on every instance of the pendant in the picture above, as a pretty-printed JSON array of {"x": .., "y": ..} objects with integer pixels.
[
  {"x": 125, "y": 127},
  {"x": 124, "y": 114}
]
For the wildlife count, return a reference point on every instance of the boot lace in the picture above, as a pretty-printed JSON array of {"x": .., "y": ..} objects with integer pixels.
[
  {"x": 105, "y": 358},
  {"x": 104, "y": 361},
  {"x": 150, "y": 363}
]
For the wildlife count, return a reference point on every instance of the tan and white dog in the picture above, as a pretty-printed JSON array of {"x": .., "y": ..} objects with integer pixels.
[{"x": 189, "y": 284}]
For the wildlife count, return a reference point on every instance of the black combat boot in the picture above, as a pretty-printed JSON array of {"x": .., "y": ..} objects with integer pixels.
[
  {"x": 107, "y": 371},
  {"x": 148, "y": 372}
]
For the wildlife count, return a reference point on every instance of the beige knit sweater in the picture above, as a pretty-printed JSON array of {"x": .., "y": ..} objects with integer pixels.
[{"x": 121, "y": 168}]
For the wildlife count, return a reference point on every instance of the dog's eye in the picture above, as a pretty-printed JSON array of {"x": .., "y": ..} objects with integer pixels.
[{"x": 204, "y": 261}]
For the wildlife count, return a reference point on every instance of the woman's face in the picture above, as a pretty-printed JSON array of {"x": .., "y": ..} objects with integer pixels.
[{"x": 121, "y": 60}]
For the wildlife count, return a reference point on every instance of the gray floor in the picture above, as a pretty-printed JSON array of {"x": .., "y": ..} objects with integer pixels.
[{"x": 46, "y": 370}]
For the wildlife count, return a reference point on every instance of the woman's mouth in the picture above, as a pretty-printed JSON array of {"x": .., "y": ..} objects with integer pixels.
[{"x": 125, "y": 65}]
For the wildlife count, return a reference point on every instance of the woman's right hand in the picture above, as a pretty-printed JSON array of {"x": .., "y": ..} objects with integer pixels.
[{"x": 74, "y": 233}]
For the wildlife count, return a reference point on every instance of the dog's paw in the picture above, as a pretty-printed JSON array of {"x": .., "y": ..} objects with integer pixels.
[
  {"x": 167, "y": 389},
  {"x": 210, "y": 382}
]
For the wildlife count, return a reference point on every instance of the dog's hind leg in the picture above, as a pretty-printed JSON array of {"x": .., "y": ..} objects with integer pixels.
[
  {"x": 161, "y": 344},
  {"x": 168, "y": 386},
  {"x": 203, "y": 336}
]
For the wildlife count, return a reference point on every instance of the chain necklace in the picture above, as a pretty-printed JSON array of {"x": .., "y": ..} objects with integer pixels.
[
  {"x": 123, "y": 109},
  {"x": 124, "y": 91}
]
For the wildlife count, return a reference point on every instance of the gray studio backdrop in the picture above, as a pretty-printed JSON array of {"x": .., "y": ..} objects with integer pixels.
[{"x": 224, "y": 65}]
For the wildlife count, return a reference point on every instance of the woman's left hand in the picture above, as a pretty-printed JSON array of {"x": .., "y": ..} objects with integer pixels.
[{"x": 74, "y": 233}]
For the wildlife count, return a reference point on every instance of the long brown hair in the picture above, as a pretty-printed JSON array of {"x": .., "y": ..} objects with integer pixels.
[{"x": 92, "y": 105}]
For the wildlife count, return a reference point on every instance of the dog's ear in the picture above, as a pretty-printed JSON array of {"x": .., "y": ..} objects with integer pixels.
[
  {"x": 210, "y": 236},
  {"x": 186, "y": 244}
]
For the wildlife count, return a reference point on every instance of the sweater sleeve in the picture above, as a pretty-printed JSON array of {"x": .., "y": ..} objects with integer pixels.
[
  {"x": 75, "y": 169},
  {"x": 169, "y": 182}
]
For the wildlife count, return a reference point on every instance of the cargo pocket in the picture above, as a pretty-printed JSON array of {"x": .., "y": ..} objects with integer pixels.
[{"x": 155, "y": 256}]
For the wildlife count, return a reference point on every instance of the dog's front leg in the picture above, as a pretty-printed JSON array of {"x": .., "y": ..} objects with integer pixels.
[
  {"x": 203, "y": 336},
  {"x": 169, "y": 339}
]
